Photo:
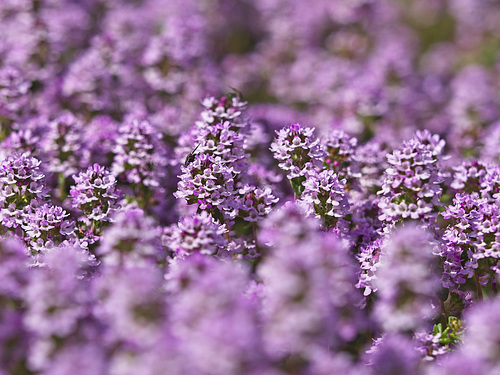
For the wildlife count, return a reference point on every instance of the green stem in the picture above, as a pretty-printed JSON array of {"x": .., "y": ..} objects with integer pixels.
[{"x": 61, "y": 184}]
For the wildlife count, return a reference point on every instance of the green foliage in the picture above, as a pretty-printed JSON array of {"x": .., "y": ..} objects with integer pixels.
[
  {"x": 453, "y": 332},
  {"x": 297, "y": 185}
]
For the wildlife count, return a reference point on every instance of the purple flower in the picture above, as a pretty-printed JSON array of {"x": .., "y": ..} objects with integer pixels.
[
  {"x": 471, "y": 240},
  {"x": 405, "y": 281},
  {"x": 490, "y": 186},
  {"x": 22, "y": 141},
  {"x": 382, "y": 238},
  {"x": 140, "y": 162},
  {"x": 214, "y": 323},
  {"x": 58, "y": 304},
  {"x": 196, "y": 234},
  {"x": 96, "y": 196},
  {"x": 297, "y": 150},
  {"x": 15, "y": 276},
  {"x": 365, "y": 226},
  {"x": 131, "y": 241},
  {"x": 372, "y": 162},
  {"x": 394, "y": 354},
  {"x": 255, "y": 203},
  {"x": 131, "y": 305},
  {"x": 209, "y": 182},
  {"x": 469, "y": 177},
  {"x": 139, "y": 155},
  {"x": 227, "y": 108},
  {"x": 14, "y": 93},
  {"x": 214, "y": 173},
  {"x": 369, "y": 261},
  {"x": 47, "y": 226},
  {"x": 341, "y": 151},
  {"x": 63, "y": 147},
  {"x": 22, "y": 184},
  {"x": 410, "y": 187},
  {"x": 325, "y": 197},
  {"x": 309, "y": 296}
]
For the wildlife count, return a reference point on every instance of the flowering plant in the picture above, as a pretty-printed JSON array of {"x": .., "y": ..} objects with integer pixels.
[{"x": 337, "y": 213}]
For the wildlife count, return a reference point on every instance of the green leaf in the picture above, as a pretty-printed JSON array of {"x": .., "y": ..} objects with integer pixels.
[
  {"x": 297, "y": 185},
  {"x": 438, "y": 328}
]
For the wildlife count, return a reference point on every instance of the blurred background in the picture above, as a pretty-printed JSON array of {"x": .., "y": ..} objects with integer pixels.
[{"x": 367, "y": 67}]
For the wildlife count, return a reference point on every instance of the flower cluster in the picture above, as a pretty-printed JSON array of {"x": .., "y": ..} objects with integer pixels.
[
  {"x": 227, "y": 108},
  {"x": 325, "y": 197},
  {"x": 405, "y": 282},
  {"x": 152, "y": 222},
  {"x": 13, "y": 94},
  {"x": 94, "y": 193},
  {"x": 140, "y": 159},
  {"x": 340, "y": 149},
  {"x": 298, "y": 151},
  {"x": 96, "y": 196},
  {"x": 212, "y": 170},
  {"x": 40, "y": 224},
  {"x": 132, "y": 240},
  {"x": 22, "y": 186},
  {"x": 490, "y": 187},
  {"x": 255, "y": 203},
  {"x": 369, "y": 261},
  {"x": 197, "y": 234},
  {"x": 372, "y": 161},
  {"x": 47, "y": 226},
  {"x": 215, "y": 175},
  {"x": 411, "y": 188},
  {"x": 308, "y": 287},
  {"x": 23, "y": 141},
  {"x": 208, "y": 182},
  {"x": 62, "y": 146},
  {"x": 471, "y": 247},
  {"x": 468, "y": 177}
]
